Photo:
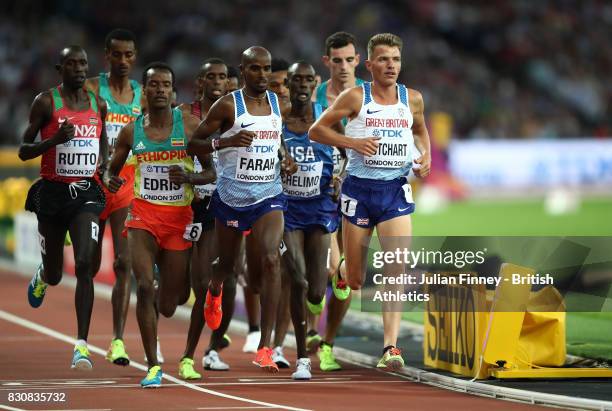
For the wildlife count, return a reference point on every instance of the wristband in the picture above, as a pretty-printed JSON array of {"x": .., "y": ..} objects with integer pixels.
[{"x": 215, "y": 143}]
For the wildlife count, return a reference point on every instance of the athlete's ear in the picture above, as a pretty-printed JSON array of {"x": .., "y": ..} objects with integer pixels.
[
  {"x": 368, "y": 65},
  {"x": 357, "y": 59},
  {"x": 325, "y": 60}
]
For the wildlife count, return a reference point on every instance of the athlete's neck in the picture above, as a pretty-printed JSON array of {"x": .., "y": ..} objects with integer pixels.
[
  {"x": 160, "y": 117},
  {"x": 386, "y": 94},
  {"x": 206, "y": 104},
  {"x": 337, "y": 87},
  {"x": 75, "y": 94},
  {"x": 301, "y": 109},
  {"x": 119, "y": 83},
  {"x": 253, "y": 94}
]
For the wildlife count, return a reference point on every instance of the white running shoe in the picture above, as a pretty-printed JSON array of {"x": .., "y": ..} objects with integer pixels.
[
  {"x": 279, "y": 358},
  {"x": 160, "y": 357},
  {"x": 213, "y": 362},
  {"x": 252, "y": 342},
  {"x": 302, "y": 370}
]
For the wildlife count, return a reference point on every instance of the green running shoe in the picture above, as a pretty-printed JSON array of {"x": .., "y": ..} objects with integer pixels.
[
  {"x": 312, "y": 343},
  {"x": 80, "y": 358},
  {"x": 327, "y": 361},
  {"x": 341, "y": 289},
  {"x": 186, "y": 370},
  {"x": 116, "y": 353},
  {"x": 316, "y": 309},
  {"x": 391, "y": 359},
  {"x": 37, "y": 288}
]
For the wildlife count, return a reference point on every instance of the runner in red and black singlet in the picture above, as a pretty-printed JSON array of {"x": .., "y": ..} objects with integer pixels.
[{"x": 67, "y": 198}]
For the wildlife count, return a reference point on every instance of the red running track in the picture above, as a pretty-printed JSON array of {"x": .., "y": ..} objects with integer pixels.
[{"x": 36, "y": 350}]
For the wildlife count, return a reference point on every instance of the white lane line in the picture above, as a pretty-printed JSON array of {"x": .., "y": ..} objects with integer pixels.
[
  {"x": 6, "y": 407},
  {"x": 63, "y": 337},
  {"x": 230, "y": 408}
]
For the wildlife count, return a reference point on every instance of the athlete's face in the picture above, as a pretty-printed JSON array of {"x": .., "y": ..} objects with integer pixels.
[
  {"x": 73, "y": 69},
  {"x": 342, "y": 63},
  {"x": 232, "y": 84},
  {"x": 302, "y": 83},
  {"x": 256, "y": 73},
  {"x": 278, "y": 83},
  {"x": 158, "y": 88},
  {"x": 213, "y": 81},
  {"x": 385, "y": 64},
  {"x": 121, "y": 57}
]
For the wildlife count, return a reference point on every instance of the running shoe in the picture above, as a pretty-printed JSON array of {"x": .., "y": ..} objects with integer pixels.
[
  {"x": 340, "y": 287},
  {"x": 312, "y": 343},
  {"x": 263, "y": 359},
  {"x": 37, "y": 288},
  {"x": 160, "y": 356},
  {"x": 212, "y": 310},
  {"x": 186, "y": 370},
  {"x": 316, "y": 309},
  {"x": 80, "y": 358},
  {"x": 212, "y": 361},
  {"x": 391, "y": 359},
  {"x": 252, "y": 342},
  {"x": 279, "y": 358},
  {"x": 116, "y": 353},
  {"x": 153, "y": 378},
  {"x": 302, "y": 370},
  {"x": 327, "y": 360}
]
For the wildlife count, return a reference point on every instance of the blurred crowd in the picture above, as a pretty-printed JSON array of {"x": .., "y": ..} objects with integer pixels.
[{"x": 500, "y": 69}]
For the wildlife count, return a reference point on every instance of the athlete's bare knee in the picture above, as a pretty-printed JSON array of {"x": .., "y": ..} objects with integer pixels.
[
  {"x": 270, "y": 263},
  {"x": 83, "y": 268},
  {"x": 146, "y": 289},
  {"x": 121, "y": 265}
]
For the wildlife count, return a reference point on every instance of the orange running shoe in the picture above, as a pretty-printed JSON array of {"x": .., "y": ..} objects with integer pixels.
[
  {"x": 263, "y": 359},
  {"x": 212, "y": 310}
]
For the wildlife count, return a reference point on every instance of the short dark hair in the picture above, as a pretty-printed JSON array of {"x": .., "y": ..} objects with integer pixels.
[
  {"x": 338, "y": 40},
  {"x": 211, "y": 60},
  {"x": 302, "y": 63},
  {"x": 158, "y": 65},
  {"x": 232, "y": 71},
  {"x": 68, "y": 50},
  {"x": 119, "y": 34},
  {"x": 279, "y": 65}
]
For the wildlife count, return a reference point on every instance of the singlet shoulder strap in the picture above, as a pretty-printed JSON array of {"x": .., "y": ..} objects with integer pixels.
[
  {"x": 317, "y": 110},
  {"x": 93, "y": 101},
  {"x": 58, "y": 102},
  {"x": 196, "y": 109},
  {"x": 239, "y": 107},
  {"x": 137, "y": 92},
  {"x": 403, "y": 94},
  {"x": 322, "y": 94},
  {"x": 273, "y": 102},
  {"x": 367, "y": 93},
  {"x": 178, "y": 128}
]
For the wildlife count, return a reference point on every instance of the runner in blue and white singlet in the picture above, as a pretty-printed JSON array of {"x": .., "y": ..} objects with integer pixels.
[
  {"x": 249, "y": 190},
  {"x": 385, "y": 121}
]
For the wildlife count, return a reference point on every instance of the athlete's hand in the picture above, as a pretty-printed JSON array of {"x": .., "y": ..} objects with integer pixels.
[
  {"x": 113, "y": 183},
  {"x": 65, "y": 132},
  {"x": 422, "y": 166},
  {"x": 243, "y": 138},
  {"x": 288, "y": 166},
  {"x": 177, "y": 175},
  {"x": 337, "y": 185},
  {"x": 366, "y": 146}
]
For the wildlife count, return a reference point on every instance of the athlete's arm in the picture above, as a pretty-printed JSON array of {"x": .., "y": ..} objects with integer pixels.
[
  {"x": 347, "y": 105},
  {"x": 124, "y": 143},
  {"x": 420, "y": 133},
  {"x": 103, "y": 155},
  {"x": 40, "y": 114},
  {"x": 219, "y": 117},
  {"x": 208, "y": 174}
]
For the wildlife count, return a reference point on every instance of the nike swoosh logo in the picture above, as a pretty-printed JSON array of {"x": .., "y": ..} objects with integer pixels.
[
  {"x": 242, "y": 125},
  {"x": 290, "y": 138},
  {"x": 402, "y": 209},
  {"x": 275, "y": 205},
  {"x": 90, "y": 202},
  {"x": 372, "y": 112}
]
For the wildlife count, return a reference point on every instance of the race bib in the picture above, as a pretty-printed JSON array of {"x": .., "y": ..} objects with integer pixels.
[
  {"x": 306, "y": 182},
  {"x": 348, "y": 205},
  {"x": 77, "y": 157},
  {"x": 338, "y": 161},
  {"x": 408, "y": 193},
  {"x": 394, "y": 145},
  {"x": 193, "y": 232},
  {"x": 155, "y": 184},
  {"x": 257, "y": 163}
]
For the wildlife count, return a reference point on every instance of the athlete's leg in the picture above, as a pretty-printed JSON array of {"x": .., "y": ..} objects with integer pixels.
[
  {"x": 174, "y": 280},
  {"x": 52, "y": 251},
  {"x": 97, "y": 257},
  {"x": 201, "y": 259},
  {"x": 393, "y": 234},
  {"x": 121, "y": 290},
  {"x": 229, "y": 248},
  {"x": 227, "y": 305},
  {"x": 262, "y": 251},
  {"x": 355, "y": 243},
  {"x": 84, "y": 231},
  {"x": 143, "y": 252},
  {"x": 316, "y": 244},
  {"x": 283, "y": 316},
  {"x": 295, "y": 271}
]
